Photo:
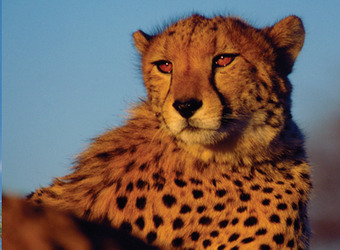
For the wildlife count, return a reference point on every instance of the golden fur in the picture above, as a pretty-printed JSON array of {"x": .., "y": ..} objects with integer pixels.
[{"x": 211, "y": 159}]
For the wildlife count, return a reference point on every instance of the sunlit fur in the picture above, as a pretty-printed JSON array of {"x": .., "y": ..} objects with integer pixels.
[{"x": 231, "y": 174}]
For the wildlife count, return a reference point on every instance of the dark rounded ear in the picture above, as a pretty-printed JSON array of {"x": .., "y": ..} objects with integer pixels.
[
  {"x": 141, "y": 40},
  {"x": 288, "y": 36}
]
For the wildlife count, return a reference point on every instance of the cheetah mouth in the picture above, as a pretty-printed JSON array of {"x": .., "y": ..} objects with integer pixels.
[{"x": 190, "y": 127}]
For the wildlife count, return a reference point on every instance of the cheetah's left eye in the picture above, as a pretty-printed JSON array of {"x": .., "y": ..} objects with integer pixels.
[{"x": 224, "y": 60}]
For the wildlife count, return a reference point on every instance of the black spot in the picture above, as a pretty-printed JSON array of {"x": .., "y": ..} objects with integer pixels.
[
  {"x": 261, "y": 231},
  {"x": 128, "y": 167},
  {"x": 266, "y": 202},
  {"x": 157, "y": 158},
  {"x": 206, "y": 243},
  {"x": 121, "y": 202},
  {"x": 104, "y": 156},
  {"x": 195, "y": 181},
  {"x": 280, "y": 182},
  {"x": 251, "y": 221},
  {"x": 141, "y": 184},
  {"x": 205, "y": 220},
  {"x": 234, "y": 248},
  {"x": 226, "y": 176},
  {"x": 282, "y": 206},
  {"x": 214, "y": 234},
  {"x": 169, "y": 200},
  {"x": 177, "y": 242},
  {"x": 177, "y": 224},
  {"x": 289, "y": 221},
  {"x": 180, "y": 183},
  {"x": 288, "y": 177},
  {"x": 185, "y": 209},
  {"x": 267, "y": 190},
  {"x": 143, "y": 167},
  {"x": 297, "y": 162},
  {"x": 234, "y": 221},
  {"x": 301, "y": 192},
  {"x": 132, "y": 149},
  {"x": 151, "y": 237},
  {"x": 233, "y": 237},
  {"x": 255, "y": 187},
  {"x": 221, "y": 192},
  {"x": 245, "y": 197},
  {"x": 294, "y": 206},
  {"x": 221, "y": 247},
  {"x": 248, "y": 240},
  {"x": 260, "y": 171},
  {"x": 275, "y": 218},
  {"x": 38, "y": 201},
  {"x": 111, "y": 182},
  {"x": 305, "y": 176},
  {"x": 171, "y": 33},
  {"x": 278, "y": 238},
  {"x": 158, "y": 186},
  {"x": 290, "y": 244},
  {"x": 200, "y": 209},
  {"x": 197, "y": 194},
  {"x": 140, "y": 223},
  {"x": 278, "y": 196},
  {"x": 288, "y": 191},
  {"x": 297, "y": 225},
  {"x": 157, "y": 220},
  {"x": 259, "y": 98},
  {"x": 238, "y": 183},
  {"x": 129, "y": 187},
  {"x": 241, "y": 209},
  {"x": 157, "y": 176},
  {"x": 126, "y": 227},
  {"x": 195, "y": 236},
  {"x": 199, "y": 165},
  {"x": 159, "y": 181},
  {"x": 140, "y": 202},
  {"x": 264, "y": 247},
  {"x": 219, "y": 207},
  {"x": 223, "y": 223}
]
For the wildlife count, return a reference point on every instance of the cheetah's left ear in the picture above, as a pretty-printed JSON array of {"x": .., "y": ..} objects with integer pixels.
[
  {"x": 288, "y": 36},
  {"x": 141, "y": 40}
]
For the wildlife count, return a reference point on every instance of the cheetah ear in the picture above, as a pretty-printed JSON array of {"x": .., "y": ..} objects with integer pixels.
[
  {"x": 141, "y": 40},
  {"x": 288, "y": 36}
]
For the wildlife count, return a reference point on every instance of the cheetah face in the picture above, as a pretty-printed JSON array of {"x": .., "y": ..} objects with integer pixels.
[{"x": 212, "y": 79}]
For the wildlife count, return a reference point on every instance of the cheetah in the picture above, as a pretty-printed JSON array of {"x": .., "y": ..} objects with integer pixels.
[
  {"x": 30, "y": 227},
  {"x": 212, "y": 158}
]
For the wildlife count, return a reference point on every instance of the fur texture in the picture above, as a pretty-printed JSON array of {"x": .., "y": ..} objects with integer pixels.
[{"x": 212, "y": 158}]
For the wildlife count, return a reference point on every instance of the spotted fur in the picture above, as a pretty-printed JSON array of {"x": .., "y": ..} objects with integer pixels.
[{"x": 212, "y": 158}]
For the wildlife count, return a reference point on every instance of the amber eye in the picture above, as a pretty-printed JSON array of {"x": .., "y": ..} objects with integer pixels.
[
  {"x": 224, "y": 59},
  {"x": 164, "y": 66}
]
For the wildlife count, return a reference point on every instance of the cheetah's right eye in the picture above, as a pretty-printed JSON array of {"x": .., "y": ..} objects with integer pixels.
[{"x": 164, "y": 66}]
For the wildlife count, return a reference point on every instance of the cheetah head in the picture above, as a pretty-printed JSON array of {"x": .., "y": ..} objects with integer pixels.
[{"x": 219, "y": 79}]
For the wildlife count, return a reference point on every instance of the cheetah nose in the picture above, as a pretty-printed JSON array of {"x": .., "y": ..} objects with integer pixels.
[{"x": 187, "y": 108}]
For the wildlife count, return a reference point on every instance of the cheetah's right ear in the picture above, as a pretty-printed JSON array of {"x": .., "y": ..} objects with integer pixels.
[{"x": 141, "y": 40}]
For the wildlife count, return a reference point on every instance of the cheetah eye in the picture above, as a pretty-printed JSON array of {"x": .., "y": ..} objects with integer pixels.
[
  {"x": 224, "y": 60},
  {"x": 164, "y": 66}
]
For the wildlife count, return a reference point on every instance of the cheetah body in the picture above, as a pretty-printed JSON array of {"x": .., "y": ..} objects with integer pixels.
[{"x": 212, "y": 159}]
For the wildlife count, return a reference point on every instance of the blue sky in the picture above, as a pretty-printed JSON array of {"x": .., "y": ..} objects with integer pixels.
[{"x": 70, "y": 71}]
